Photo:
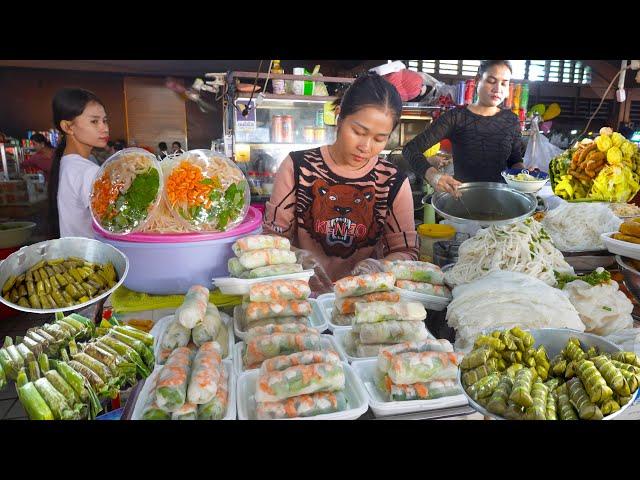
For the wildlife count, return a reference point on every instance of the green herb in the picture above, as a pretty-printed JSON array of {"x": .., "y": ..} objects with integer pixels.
[
  {"x": 608, "y": 309},
  {"x": 594, "y": 278},
  {"x": 133, "y": 206}
]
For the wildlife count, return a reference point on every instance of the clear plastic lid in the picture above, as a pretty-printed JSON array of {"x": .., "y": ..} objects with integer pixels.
[
  {"x": 126, "y": 191},
  {"x": 206, "y": 191}
]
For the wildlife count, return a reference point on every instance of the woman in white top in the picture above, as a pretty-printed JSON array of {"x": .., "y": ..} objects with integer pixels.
[{"x": 81, "y": 117}]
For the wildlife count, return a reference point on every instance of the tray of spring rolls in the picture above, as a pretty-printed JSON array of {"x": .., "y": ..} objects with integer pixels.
[
  {"x": 304, "y": 385},
  {"x": 282, "y": 304},
  {"x": 420, "y": 282},
  {"x": 194, "y": 322},
  {"x": 259, "y": 258},
  {"x": 412, "y": 377}
]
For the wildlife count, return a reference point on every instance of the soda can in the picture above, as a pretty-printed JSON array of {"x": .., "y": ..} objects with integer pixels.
[
  {"x": 309, "y": 134},
  {"x": 460, "y": 92},
  {"x": 469, "y": 91},
  {"x": 277, "y": 129},
  {"x": 287, "y": 128},
  {"x": 524, "y": 97}
]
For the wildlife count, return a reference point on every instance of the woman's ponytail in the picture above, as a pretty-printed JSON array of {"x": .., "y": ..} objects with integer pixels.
[{"x": 54, "y": 180}]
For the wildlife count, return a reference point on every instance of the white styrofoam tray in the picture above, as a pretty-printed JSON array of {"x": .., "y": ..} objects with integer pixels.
[
  {"x": 325, "y": 306},
  {"x": 231, "y": 386},
  {"x": 626, "y": 249},
  {"x": 328, "y": 342},
  {"x": 241, "y": 286},
  {"x": 382, "y": 407},
  {"x": 318, "y": 320},
  {"x": 430, "y": 302},
  {"x": 354, "y": 391},
  {"x": 161, "y": 326}
]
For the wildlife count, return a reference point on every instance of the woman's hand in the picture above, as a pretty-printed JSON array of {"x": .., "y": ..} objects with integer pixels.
[
  {"x": 367, "y": 266},
  {"x": 439, "y": 161},
  {"x": 446, "y": 183}
]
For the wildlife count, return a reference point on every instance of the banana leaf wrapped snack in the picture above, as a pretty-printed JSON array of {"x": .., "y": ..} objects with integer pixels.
[
  {"x": 521, "y": 392},
  {"x": 565, "y": 407},
  {"x": 500, "y": 396},
  {"x": 539, "y": 395},
  {"x": 595, "y": 385},
  {"x": 587, "y": 410}
]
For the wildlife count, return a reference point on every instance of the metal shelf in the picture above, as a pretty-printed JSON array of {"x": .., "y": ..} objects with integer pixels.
[
  {"x": 303, "y": 146},
  {"x": 270, "y": 97}
]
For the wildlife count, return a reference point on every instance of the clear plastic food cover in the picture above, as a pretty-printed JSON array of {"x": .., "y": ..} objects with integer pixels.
[
  {"x": 126, "y": 191},
  {"x": 206, "y": 191}
]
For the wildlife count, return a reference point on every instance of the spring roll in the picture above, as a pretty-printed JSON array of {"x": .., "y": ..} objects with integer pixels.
[
  {"x": 283, "y": 328},
  {"x": 272, "y": 270},
  {"x": 415, "y": 271},
  {"x": 353, "y": 286},
  {"x": 188, "y": 411},
  {"x": 299, "y": 380},
  {"x": 235, "y": 267},
  {"x": 411, "y": 367},
  {"x": 205, "y": 374},
  {"x": 347, "y": 305},
  {"x": 302, "y": 406},
  {"x": 281, "y": 308},
  {"x": 216, "y": 409},
  {"x": 194, "y": 307},
  {"x": 278, "y": 290},
  {"x": 428, "y": 345},
  {"x": 372, "y": 350},
  {"x": 309, "y": 357},
  {"x": 305, "y": 321},
  {"x": 259, "y": 349},
  {"x": 151, "y": 410},
  {"x": 341, "y": 320},
  {"x": 175, "y": 336},
  {"x": 393, "y": 332},
  {"x": 421, "y": 390},
  {"x": 209, "y": 328},
  {"x": 260, "y": 242},
  {"x": 384, "y": 311},
  {"x": 266, "y": 257},
  {"x": 223, "y": 340},
  {"x": 173, "y": 378},
  {"x": 425, "y": 288}
]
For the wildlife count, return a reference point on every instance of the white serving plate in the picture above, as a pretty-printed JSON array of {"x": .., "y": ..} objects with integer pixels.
[
  {"x": 626, "y": 249},
  {"x": 241, "y": 286},
  {"x": 231, "y": 386},
  {"x": 382, "y": 407},
  {"x": 354, "y": 391}
]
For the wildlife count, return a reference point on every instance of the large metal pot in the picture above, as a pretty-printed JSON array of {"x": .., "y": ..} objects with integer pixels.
[
  {"x": 485, "y": 203},
  {"x": 89, "y": 249}
]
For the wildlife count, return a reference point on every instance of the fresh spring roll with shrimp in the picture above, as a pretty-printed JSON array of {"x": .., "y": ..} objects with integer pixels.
[
  {"x": 175, "y": 336},
  {"x": 265, "y": 257},
  {"x": 384, "y": 311},
  {"x": 188, "y": 411},
  {"x": 428, "y": 345},
  {"x": 278, "y": 290},
  {"x": 281, "y": 308},
  {"x": 353, "y": 286},
  {"x": 392, "y": 332},
  {"x": 208, "y": 329},
  {"x": 216, "y": 409},
  {"x": 260, "y": 349},
  {"x": 347, "y": 305},
  {"x": 282, "y": 362},
  {"x": 304, "y": 321},
  {"x": 272, "y": 270},
  {"x": 194, "y": 307},
  {"x": 415, "y": 271},
  {"x": 302, "y": 406},
  {"x": 151, "y": 410},
  {"x": 260, "y": 242},
  {"x": 205, "y": 374},
  {"x": 341, "y": 320},
  {"x": 235, "y": 267},
  {"x": 283, "y": 328},
  {"x": 223, "y": 340},
  {"x": 299, "y": 380},
  {"x": 425, "y": 288},
  {"x": 413, "y": 367},
  {"x": 173, "y": 379},
  {"x": 420, "y": 390}
]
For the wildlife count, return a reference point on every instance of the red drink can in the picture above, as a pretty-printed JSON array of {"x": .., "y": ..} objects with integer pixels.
[
  {"x": 469, "y": 91},
  {"x": 287, "y": 128},
  {"x": 277, "y": 129}
]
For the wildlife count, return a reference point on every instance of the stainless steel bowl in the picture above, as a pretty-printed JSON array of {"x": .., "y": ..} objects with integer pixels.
[
  {"x": 485, "y": 203},
  {"x": 588, "y": 260},
  {"x": 89, "y": 249},
  {"x": 631, "y": 276},
  {"x": 554, "y": 340}
]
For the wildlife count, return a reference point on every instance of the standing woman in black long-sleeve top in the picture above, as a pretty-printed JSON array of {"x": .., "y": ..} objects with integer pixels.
[{"x": 485, "y": 138}]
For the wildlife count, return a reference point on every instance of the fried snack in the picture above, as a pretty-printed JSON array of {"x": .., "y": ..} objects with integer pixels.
[
  {"x": 626, "y": 238},
  {"x": 630, "y": 228}
]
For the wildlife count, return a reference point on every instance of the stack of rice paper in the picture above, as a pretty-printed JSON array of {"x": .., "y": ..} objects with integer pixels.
[
  {"x": 259, "y": 256},
  {"x": 195, "y": 322},
  {"x": 375, "y": 287},
  {"x": 302, "y": 384},
  {"x": 192, "y": 385},
  {"x": 419, "y": 277},
  {"x": 418, "y": 370}
]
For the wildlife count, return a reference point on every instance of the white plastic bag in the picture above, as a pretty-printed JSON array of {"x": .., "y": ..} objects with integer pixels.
[
  {"x": 627, "y": 339},
  {"x": 539, "y": 150}
]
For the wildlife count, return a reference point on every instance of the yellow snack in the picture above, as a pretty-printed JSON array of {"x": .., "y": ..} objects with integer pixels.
[
  {"x": 604, "y": 143},
  {"x": 617, "y": 139},
  {"x": 614, "y": 156}
]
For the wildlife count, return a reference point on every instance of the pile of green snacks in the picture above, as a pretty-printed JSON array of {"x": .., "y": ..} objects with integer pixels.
[{"x": 509, "y": 377}]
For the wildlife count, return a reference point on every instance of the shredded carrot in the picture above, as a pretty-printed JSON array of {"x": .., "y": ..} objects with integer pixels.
[
  {"x": 105, "y": 193},
  {"x": 184, "y": 185}
]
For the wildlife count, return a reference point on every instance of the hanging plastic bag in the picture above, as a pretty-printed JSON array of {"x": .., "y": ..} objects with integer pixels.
[{"x": 539, "y": 150}]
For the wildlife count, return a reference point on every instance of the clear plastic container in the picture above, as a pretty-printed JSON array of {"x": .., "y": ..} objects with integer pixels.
[
  {"x": 241, "y": 286},
  {"x": 431, "y": 233},
  {"x": 325, "y": 306},
  {"x": 126, "y": 191},
  {"x": 205, "y": 191}
]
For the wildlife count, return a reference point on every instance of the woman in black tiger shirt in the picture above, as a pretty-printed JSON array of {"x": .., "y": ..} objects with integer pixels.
[{"x": 485, "y": 138}]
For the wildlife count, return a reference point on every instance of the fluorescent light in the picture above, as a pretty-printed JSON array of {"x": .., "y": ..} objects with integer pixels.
[{"x": 573, "y": 132}]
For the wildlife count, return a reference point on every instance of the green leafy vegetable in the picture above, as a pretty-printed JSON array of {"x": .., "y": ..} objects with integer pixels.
[{"x": 594, "y": 278}]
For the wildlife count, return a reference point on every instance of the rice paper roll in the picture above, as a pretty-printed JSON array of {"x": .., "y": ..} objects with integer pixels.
[
  {"x": 151, "y": 410},
  {"x": 306, "y": 321},
  {"x": 188, "y": 411},
  {"x": 281, "y": 308},
  {"x": 216, "y": 409},
  {"x": 299, "y": 380},
  {"x": 282, "y": 362},
  {"x": 163, "y": 355},
  {"x": 173, "y": 379},
  {"x": 279, "y": 290},
  {"x": 414, "y": 367},
  {"x": 352, "y": 286},
  {"x": 421, "y": 390},
  {"x": 342, "y": 320},
  {"x": 259, "y": 242},
  {"x": 283, "y": 328},
  {"x": 175, "y": 336},
  {"x": 205, "y": 374},
  {"x": 347, "y": 305},
  {"x": 384, "y": 311},
  {"x": 273, "y": 270},
  {"x": 428, "y": 345},
  {"x": 302, "y": 406},
  {"x": 259, "y": 349},
  {"x": 235, "y": 267},
  {"x": 223, "y": 340},
  {"x": 194, "y": 307},
  {"x": 424, "y": 288},
  {"x": 415, "y": 271},
  {"x": 208, "y": 329},
  {"x": 392, "y": 332},
  {"x": 265, "y": 257}
]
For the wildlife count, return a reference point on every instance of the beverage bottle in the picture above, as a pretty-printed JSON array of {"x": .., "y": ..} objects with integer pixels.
[{"x": 278, "y": 85}]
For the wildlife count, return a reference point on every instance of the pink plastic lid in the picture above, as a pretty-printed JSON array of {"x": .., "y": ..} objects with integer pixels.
[{"x": 250, "y": 223}]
